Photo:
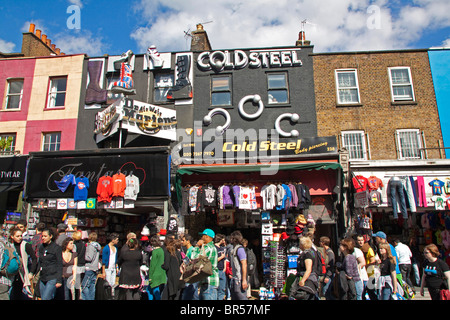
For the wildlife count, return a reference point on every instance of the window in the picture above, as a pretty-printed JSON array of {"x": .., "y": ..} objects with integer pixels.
[
  {"x": 57, "y": 92},
  {"x": 7, "y": 143},
  {"x": 409, "y": 143},
  {"x": 14, "y": 95},
  {"x": 347, "y": 86},
  {"x": 163, "y": 82},
  {"x": 277, "y": 88},
  {"x": 51, "y": 141},
  {"x": 355, "y": 143},
  {"x": 401, "y": 84},
  {"x": 221, "y": 91}
]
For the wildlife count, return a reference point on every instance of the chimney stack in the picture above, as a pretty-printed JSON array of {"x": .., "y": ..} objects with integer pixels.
[
  {"x": 199, "y": 39},
  {"x": 301, "y": 40},
  {"x": 37, "y": 44}
]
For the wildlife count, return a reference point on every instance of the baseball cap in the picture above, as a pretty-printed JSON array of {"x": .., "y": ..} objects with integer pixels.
[
  {"x": 208, "y": 232},
  {"x": 380, "y": 234}
]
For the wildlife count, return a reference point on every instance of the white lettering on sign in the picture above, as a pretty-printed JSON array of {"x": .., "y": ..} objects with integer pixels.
[
  {"x": 9, "y": 174},
  {"x": 225, "y": 60}
]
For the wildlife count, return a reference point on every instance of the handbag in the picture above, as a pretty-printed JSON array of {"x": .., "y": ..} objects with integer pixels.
[
  {"x": 197, "y": 269},
  {"x": 444, "y": 294}
]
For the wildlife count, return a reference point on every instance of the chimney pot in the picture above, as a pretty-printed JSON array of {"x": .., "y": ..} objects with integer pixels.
[
  {"x": 53, "y": 47},
  {"x": 32, "y": 26},
  {"x": 49, "y": 42},
  {"x": 44, "y": 38},
  {"x": 58, "y": 51},
  {"x": 38, "y": 33}
]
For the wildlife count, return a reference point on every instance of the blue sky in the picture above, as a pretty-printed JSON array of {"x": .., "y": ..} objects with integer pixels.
[{"x": 113, "y": 27}]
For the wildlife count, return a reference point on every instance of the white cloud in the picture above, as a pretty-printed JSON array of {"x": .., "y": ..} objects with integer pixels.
[
  {"x": 333, "y": 25},
  {"x": 80, "y": 42},
  {"x": 6, "y": 47}
]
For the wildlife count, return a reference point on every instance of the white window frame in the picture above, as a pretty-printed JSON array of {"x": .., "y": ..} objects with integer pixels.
[
  {"x": 271, "y": 99},
  {"x": 352, "y": 151},
  {"x": 12, "y": 147},
  {"x": 338, "y": 88},
  {"x": 410, "y": 83},
  {"x": 46, "y": 144},
  {"x": 52, "y": 93},
  {"x": 416, "y": 133},
  {"x": 218, "y": 91},
  {"x": 8, "y": 94}
]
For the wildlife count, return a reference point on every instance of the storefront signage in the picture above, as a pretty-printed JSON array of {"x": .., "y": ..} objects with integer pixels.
[
  {"x": 12, "y": 170},
  {"x": 222, "y": 149},
  {"x": 239, "y": 59},
  {"x": 151, "y": 169},
  {"x": 137, "y": 117}
]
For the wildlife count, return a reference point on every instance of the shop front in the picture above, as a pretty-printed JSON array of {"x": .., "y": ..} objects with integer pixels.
[
  {"x": 272, "y": 199},
  {"x": 387, "y": 192},
  {"x": 105, "y": 190},
  {"x": 12, "y": 178}
]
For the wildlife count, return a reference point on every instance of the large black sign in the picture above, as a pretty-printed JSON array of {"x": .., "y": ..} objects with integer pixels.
[
  {"x": 258, "y": 149},
  {"x": 12, "y": 170},
  {"x": 151, "y": 169}
]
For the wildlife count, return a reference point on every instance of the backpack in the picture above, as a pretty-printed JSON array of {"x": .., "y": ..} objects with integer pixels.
[
  {"x": 251, "y": 261},
  {"x": 321, "y": 266},
  {"x": 10, "y": 261}
]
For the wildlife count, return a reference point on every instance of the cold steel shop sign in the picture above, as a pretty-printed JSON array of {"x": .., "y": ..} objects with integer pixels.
[{"x": 221, "y": 149}]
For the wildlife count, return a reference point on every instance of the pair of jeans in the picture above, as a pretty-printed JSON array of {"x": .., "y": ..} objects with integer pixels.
[
  {"x": 236, "y": 291},
  {"x": 208, "y": 292},
  {"x": 359, "y": 285},
  {"x": 222, "y": 289},
  {"x": 190, "y": 292},
  {"x": 88, "y": 285},
  {"x": 386, "y": 293},
  {"x": 47, "y": 289},
  {"x": 396, "y": 190}
]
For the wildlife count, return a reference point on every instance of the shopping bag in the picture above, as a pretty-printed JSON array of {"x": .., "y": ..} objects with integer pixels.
[{"x": 197, "y": 269}]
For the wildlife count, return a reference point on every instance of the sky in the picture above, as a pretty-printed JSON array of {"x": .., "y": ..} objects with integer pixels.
[{"x": 98, "y": 27}]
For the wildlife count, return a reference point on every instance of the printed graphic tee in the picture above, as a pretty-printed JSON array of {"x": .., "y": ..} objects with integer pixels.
[{"x": 81, "y": 189}]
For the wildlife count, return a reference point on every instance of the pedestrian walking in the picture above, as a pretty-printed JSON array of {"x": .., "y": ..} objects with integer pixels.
[
  {"x": 70, "y": 263},
  {"x": 50, "y": 266},
  {"x": 129, "y": 262},
  {"x": 92, "y": 258},
  {"x": 239, "y": 280},
  {"x": 387, "y": 282},
  {"x": 436, "y": 273}
]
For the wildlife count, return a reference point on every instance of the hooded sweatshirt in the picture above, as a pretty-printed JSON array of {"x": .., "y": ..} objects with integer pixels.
[{"x": 92, "y": 256}]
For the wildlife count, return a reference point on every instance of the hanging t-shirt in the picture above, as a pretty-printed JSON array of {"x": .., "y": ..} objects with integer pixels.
[
  {"x": 132, "y": 187},
  {"x": 65, "y": 182},
  {"x": 374, "y": 183},
  {"x": 436, "y": 185},
  {"x": 244, "y": 198},
  {"x": 80, "y": 192},
  {"x": 209, "y": 197},
  {"x": 104, "y": 189},
  {"x": 439, "y": 202},
  {"x": 360, "y": 183},
  {"x": 119, "y": 185}
]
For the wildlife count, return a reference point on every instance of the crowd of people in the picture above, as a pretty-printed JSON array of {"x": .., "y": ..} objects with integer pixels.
[{"x": 56, "y": 265}]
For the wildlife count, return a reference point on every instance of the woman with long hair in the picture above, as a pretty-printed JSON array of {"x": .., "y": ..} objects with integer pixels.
[
  {"x": 172, "y": 265},
  {"x": 387, "y": 283},
  {"x": 130, "y": 262},
  {"x": 70, "y": 263}
]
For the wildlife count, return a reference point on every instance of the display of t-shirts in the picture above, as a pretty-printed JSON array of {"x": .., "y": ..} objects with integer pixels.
[
  {"x": 439, "y": 202},
  {"x": 65, "y": 182},
  {"x": 375, "y": 198},
  {"x": 374, "y": 183},
  {"x": 247, "y": 198},
  {"x": 360, "y": 183},
  {"x": 132, "y": 187},
  {"x": 286, "y": 201},
  {"x": 118, "y": 184},
  {"x": 436, "y": 186},
  {"x": 294, "y": 197},
  {"x": 268, "y": 195},
  {"x": 447, "y": 185},
  {"x": 209, "y": 196},
  {"x": 227, "y": 197},
  {"x": 80, "y": 192},
  {"x": 104, "y": 189}
]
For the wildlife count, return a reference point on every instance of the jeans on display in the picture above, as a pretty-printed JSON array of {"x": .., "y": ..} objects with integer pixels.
[
  {"x": 408, "y": 187},
  {"x": 396, "y": 189}
]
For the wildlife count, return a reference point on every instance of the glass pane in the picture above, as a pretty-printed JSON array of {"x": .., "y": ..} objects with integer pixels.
[
  {"x": 160, "y": 94},
  {"x": 278, "y": 96},
  {"x": 220, "y": 83},
  {"x": 15, "y": 86},
  {"x": 402, "y": 92},
  {"x": 220, "y": 98},
  {"x": 276, "y": 81},
  {"x": 13, "y": 102},
  {"x": 400, "y": 76},
  {"x": 163, "y": 80},
  {"x": 354, "y": 144},
  {"x": 348, "y": 95},
  {"x": 409, "y": 145},
  {"x": 346, "y": 79},
  {"x": 60, "y": 84},
  {"x": 60, "y": 99}
]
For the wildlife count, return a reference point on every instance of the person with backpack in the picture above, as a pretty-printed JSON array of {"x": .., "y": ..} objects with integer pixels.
[
  {"x": 306, "y": 283},
  {"x": 21, "y": 279},
  {"x": 5, "y": 282},
  {"x": 239, "y": 280}
]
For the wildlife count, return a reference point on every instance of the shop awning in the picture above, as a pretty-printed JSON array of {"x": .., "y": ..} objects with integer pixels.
[{"x": 262, "y": 167}]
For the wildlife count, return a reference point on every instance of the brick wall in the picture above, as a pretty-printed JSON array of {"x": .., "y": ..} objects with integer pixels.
[{"x": 376, "y": 114}]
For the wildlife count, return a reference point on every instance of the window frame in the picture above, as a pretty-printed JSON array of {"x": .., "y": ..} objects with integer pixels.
[
  {"x": 364, "y": 147},
  {"x": 338, "y": 88},
  {"x": 8, "y": 94},
  {"x": 12, "y": 148},
  {"x": 420, "y": 144},
  {"x": 229, "y": 90},
  {"x": 286, "y": 88},
  {"x": 57, "y": 143},
  {"x": 50, "y": 98},
  {"x": 393, "y": 99},
  {"x": 164, "y": 89}
]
